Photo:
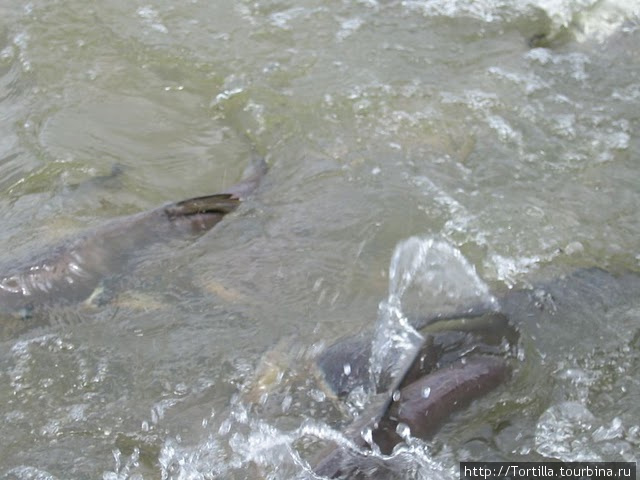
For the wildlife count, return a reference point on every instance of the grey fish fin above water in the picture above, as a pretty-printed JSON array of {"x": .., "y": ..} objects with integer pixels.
[{"x": 220, "y": 203}]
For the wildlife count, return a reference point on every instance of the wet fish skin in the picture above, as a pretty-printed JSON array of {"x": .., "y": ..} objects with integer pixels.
[
  {"x": 543, "y": 305},
  {"x": 452, "y": 382},
  {"x": 450, "y": 390},
  {"x": 70, "y": 272},
  {"x": 427, "y": 403},
  {"x": 478, "y": 329}
]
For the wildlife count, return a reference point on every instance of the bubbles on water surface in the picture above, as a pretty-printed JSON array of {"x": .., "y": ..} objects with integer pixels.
[
  {"x": 26, "y": 353},
  {"x": 124, "y": 466},
  {"x": 29, "y": 473},
  {"x": 586, "y": 20},
  {"x": 248, "y": 446},
  {"x": 569, "y": 431},
  {"x": 151, "y": 17},
  {"x": 563, "y": 432},
  {"x": 188, "y": 462},
  {"x": 509, "y": 269},
  {"x": 609, "y": 432}
]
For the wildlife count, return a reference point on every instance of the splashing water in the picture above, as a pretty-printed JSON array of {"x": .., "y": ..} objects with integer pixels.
[
  {"x": 438, "y": 272},
  {"x": 394, "y": 345},
  {"x": 425, "y": 273},
  {"x": 426, "y": 276}
]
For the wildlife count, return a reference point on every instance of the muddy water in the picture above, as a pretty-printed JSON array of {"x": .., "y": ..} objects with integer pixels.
[{"x": 508, "y": 131}]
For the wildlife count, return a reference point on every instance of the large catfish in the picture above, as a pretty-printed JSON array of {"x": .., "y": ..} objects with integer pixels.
[
  {"x": 70, "y": 272},
  {"x": 460, "y": 361}
]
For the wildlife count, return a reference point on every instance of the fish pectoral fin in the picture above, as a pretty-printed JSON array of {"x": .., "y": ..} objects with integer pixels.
[{"x": 221, "y": 203}]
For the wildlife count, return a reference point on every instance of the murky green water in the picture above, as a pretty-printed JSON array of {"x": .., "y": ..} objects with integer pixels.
[{"x": 507, "y": 128}]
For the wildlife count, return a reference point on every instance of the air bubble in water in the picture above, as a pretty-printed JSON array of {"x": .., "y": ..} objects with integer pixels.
[{"x": 403, "y": 430}]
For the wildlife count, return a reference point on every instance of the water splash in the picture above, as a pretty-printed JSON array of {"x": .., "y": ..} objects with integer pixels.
[
  {"x": 564, "y": 432},
  {"x": 29, "y": 473},
  {"x": 585, "y": 19},
  {"x": 427, "y": 276},
  {"x": 394, "y": 345},
  {"x": 437, "y": 269},
  {"x": 590, "y": 19},
  {"x": 123, "y": 471}
]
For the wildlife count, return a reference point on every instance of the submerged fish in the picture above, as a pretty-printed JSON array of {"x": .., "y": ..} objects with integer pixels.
[{"x": 72, "y": 271}]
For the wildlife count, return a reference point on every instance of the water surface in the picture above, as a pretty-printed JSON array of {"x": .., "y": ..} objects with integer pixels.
[{"x": 507, "y": 129}]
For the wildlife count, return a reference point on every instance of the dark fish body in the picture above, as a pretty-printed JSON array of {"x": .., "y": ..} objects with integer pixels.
[
  {"x": 445, "y": 337},
  {"x": 71, "y": 271},
  {"x": 422, "y": 406},
  {"x": 460, "y": 361},
  {"x": 427, "y": 403}
]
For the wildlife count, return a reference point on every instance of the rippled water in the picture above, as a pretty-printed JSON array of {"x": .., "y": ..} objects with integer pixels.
[{"x": 507, "y": 129}]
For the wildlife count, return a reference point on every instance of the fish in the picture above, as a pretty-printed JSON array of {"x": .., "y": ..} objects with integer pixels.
[
  {"x": 71, "y": 271},
  {"x": 460, "y": 360},
  {"x": 445, "y": 336},
  {"x": 421, "y": 407}
]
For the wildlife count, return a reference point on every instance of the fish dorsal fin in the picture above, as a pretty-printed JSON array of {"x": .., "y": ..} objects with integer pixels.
[{"x": 221, "y": 203}]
